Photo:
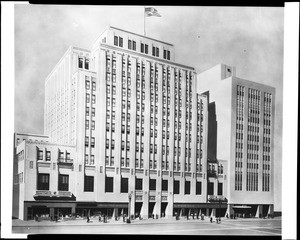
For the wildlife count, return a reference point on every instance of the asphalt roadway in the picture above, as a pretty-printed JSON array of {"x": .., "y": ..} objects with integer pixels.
[{"x": 254, "y": 226}]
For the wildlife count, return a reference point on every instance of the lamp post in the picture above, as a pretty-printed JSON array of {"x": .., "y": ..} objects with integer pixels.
[{"x": 129, "y": 204}]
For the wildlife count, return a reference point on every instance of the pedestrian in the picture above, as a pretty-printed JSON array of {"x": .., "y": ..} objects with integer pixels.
[
  {"x": 219, "y": 219},
  {"x": 87, "y": 219},
  {"x": 211, "y": 219}
]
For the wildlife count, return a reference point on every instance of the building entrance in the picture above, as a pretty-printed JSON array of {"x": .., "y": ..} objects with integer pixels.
[
  {"x": 151, "y": 207},
  {"x": 163, "y": 209},
  {"x": 138, "y": 207}
]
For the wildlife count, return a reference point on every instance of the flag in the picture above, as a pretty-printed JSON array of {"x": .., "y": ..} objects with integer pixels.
[{"x": 150, "y": 11}]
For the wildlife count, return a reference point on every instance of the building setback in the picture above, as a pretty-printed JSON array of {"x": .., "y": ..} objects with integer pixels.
[{"x": 242, "y": 133}]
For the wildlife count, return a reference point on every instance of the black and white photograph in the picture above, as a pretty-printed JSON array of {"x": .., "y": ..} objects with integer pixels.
[{"x": 147, "y": 120}]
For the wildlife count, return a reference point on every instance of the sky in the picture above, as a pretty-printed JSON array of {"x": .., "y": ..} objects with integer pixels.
[{"x": 249, "y": 38}]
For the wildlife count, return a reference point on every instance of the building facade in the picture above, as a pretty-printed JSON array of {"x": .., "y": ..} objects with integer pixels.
[
  {"x": 128, "y": 130},
  {"x": 241, "y": 132},
  {"x": 135, "y": 128}
]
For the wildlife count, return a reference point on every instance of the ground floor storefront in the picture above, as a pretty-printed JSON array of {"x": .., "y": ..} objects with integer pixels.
[{"x": 51, "y": 210}]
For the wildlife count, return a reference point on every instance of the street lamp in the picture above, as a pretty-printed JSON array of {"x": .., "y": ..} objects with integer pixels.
[{"x": 129, "y": 204}]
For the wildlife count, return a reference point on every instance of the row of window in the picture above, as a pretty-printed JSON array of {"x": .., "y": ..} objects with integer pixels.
[
  {"x": 88, "y": 98},
  {"x": 266, "y": 182},
  {"x": 43, "y": 181},
  {"x": 118, "y": 41},
  {"x": 83, "y": 63},
  {"x": 88, "y": 84},
  {"x": 62, "y": 155},
  {"x": 252, "y": 181},
  {"x": 238, "y": 180}
]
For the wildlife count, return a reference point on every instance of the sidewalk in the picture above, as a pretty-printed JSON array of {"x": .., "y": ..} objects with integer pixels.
[{"x": 94, "y": 221}]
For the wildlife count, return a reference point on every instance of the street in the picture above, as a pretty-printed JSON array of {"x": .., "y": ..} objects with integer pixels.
[{"x": 153, "y": 226}]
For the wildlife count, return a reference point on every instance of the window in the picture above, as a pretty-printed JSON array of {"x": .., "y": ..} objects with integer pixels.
[
  {"x": 129, "y": 44},
  {"x": 93, "y": 125},
  {"x": 80, "y": 62},
  {"x": 87, "y": 98},
  {"x": 120, "y": 42},
  {"x": 87, "y": 111},
  {"x": 176, "y": 187},
  {"x": 89, "y": 183},
  {"x": 43, "y": 181},
  {"x": 93, "y": 98},
  {"x": 92, "y": 142},
  {"x": 48, "y": 155},
  {"x": 109, "y": 184},
  {"x": 153, "y": 51},
  {"x": 157, "y": 52},
  {"x": 86, "y": 159},
  {"x": 142, "y": 47},
  {"x": 87, "y": 84},
  {"x": 210, "y": 188},
  {"x": 168, "y": 54},
  {"x": 138, "y": 184},
  {"x": 86, "y": 141},
  {"x": 146, "y": 48},
  {"x": 164, "y": 186},
  {"x": 86, "y": 124},
  {"x": 116, "y": 41},
  {"x": 133, "y": 45},
  {"x": 198, "y": 188},
  {"x": 165, "y": 54},
  {"x": 124, "y": 185},
  {"x": 187, "y": 187},
  {"x": 63, "y": 182},
  {"x": 94, "y": 86},
  {"x": 220, "y": 188},
  {"x": 86, "y": 64},
  {"x": 40, "y": 155},
  {"x": 92, "y": 159},
  {"x": 152, "y": 184}
]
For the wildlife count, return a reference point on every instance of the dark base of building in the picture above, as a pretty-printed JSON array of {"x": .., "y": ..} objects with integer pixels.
[{"x": 73, "y": 210}]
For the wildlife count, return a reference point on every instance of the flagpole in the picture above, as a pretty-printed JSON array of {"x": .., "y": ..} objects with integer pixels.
[{"x": 145, "y": 21}]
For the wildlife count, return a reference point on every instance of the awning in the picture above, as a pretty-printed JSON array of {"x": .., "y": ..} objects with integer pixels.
[{"x": 242, "y": 207}]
